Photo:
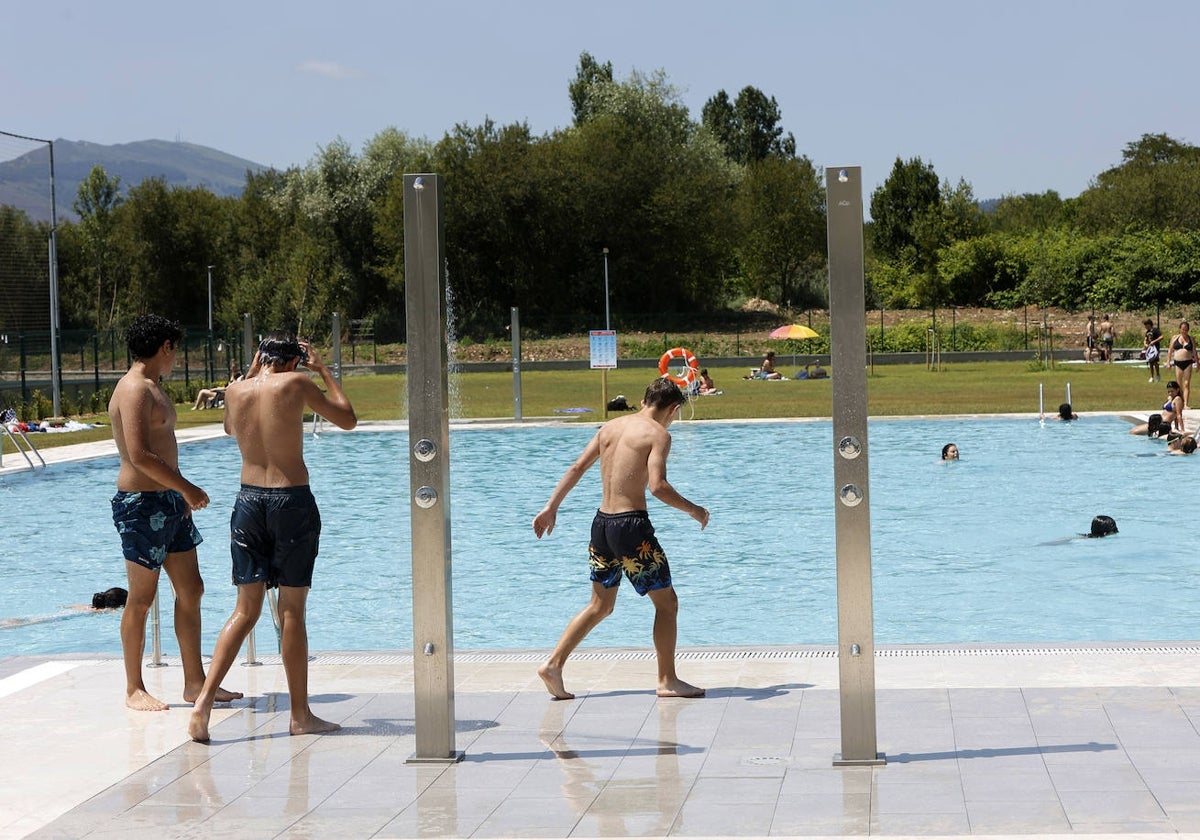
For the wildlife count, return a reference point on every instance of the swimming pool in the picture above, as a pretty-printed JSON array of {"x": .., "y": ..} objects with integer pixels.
[{"x": 959, "y": 551}]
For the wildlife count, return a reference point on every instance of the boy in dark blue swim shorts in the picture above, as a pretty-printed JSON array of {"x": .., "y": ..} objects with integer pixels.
[
  {"x": 274, "y": 535},
  {"x": 275, "y": 527},
  {"x": 632, "y": 451}
]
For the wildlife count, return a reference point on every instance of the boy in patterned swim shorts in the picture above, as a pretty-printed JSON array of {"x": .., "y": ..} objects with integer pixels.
[
  {"x": 153, "y": 510},
  {"x": 632, "y": 451}
]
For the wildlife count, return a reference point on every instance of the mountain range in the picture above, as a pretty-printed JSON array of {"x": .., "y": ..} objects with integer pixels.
[{"x": 25, "y": 180}]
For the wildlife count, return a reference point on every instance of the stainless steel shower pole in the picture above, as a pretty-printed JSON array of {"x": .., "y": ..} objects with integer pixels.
[
  {"x": 852, "y": 499},
  {"x": 429, "y": 470}
]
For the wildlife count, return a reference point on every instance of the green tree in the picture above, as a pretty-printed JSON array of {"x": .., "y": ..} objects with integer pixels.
[
  {"x": 748, "y": 128},
  {"x": 1156, "y": 186},
  {"x": 1027, "y": 213},
  {"x": 780, "y": 205},
  {"x": 655, "y": 189},
  {"x": 899, "y": 209},
  {"x": 588, "y": 75},
  {"x": 167, "y": 237},
  {"x": 96, "y": 203}
]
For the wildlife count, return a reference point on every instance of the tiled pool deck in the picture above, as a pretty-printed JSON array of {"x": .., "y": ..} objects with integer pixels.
[
  {"x": 1018, "y": 741},
  {"x": 982, "y": 741}
]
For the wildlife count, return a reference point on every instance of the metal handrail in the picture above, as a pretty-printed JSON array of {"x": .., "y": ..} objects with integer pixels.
[
  {"x": 156, "y": 657},
  {"x": 9, "y": 430}
]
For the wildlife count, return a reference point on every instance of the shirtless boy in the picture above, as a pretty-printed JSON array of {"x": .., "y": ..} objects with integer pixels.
[
  {"x": 153, "y": 510},
  {"x": 276, "y": 526},
  {"x": 632, "y": 451}
]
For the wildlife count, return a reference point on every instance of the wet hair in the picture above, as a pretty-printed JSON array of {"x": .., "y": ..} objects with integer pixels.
[
  {"x": 109, "y": 598},
  {"x": 946, "y": 449},
  {"x": 1155, "y": 426},
  {"x": 1173, "y": 384},
  {"x": 1065, "y": 413},
  {"x": 1188, "y": 445},
  {"x": 147, "y": 333},
  {"x": 279, "y": 348},
  {"x": 1102, "y": 526},
  {"x": 663, "y": 393}
]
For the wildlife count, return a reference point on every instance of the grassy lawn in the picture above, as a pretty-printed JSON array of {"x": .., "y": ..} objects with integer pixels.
[{"x": 967, "y": 388}]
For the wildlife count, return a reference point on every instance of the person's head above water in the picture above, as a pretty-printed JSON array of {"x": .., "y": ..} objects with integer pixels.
[
  {"x": 1155, "y": 427},
  {"x": 1102, "y": 526},
  {"x": 1065, "y": 413},
  {"x": 950, "y": 452},
  {"x": 109, "y": 599},
  {"x": 279, "y": 348}
]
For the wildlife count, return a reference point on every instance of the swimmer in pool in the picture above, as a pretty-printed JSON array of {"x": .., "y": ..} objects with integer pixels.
[
  {"x": 1182, "y": 445},
  {"x": 1065, "y": 412},
  {"x": 1102, "y": 526},
  {"x": 632, "y": 451},
  {"x": 950, "y": 452},
  {"x": 109, "y": 600}
]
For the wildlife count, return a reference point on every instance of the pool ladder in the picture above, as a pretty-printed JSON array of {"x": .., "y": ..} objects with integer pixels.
[
  {"x": 16, "y": 436},
  {"x": 156, "y": 660}
]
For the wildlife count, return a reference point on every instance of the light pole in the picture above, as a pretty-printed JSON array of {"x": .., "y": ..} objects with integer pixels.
[
  {"x": 208, "y": 347},
  {"x": 607, "y": 325}
]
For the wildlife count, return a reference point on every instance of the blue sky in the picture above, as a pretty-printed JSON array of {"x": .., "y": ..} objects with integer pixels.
[{"x": 1015, "y": 96}]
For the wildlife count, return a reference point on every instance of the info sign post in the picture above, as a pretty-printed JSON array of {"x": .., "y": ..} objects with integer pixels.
[{"x": 603, "y": 345}]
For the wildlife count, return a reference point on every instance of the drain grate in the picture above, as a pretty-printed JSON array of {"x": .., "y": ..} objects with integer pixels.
[
  {"x": 719, "y": 654},
  {"x": 767, "y": 760}
]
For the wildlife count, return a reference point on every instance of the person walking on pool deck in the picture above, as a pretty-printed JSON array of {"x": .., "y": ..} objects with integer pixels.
[
  {"x": 632, "y": 451},
  {"x": 275, "y": 527},
  {"x": 152, "y": 511}
]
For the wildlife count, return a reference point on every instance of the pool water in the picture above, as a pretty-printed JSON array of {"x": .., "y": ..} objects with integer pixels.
[{"x": 970, "y": 551}]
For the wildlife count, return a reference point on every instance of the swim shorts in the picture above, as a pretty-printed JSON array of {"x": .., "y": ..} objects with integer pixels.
[
  {"x": 274, "y": 535},
  {"x": 625, "y": 542},
  {"x": 153, "y": 524}
]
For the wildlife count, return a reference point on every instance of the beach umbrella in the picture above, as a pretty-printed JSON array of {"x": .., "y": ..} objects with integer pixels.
[{"x": 794, "y": 332}]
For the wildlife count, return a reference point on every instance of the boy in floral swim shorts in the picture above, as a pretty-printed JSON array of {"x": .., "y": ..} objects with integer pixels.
[
  {"x": 152, "y": 510},
  {"x": 632, "y": 451}
]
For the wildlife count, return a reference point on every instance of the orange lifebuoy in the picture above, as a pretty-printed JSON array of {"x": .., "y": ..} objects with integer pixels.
[{"x": 687, "y": 374}]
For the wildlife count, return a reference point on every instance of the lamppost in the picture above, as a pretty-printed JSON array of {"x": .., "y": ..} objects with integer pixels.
[
  {"x": 208, "y": 347},
  {"x": 607, "y": 325}
]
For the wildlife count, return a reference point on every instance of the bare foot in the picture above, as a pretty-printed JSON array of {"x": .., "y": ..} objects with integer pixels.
[
  {"x": 198, "y": 727},
  {"x": 140, "y": 700},
  {"x": 552, "y": 677},
  {"x": 223, "y": 696},
  {"x": 313, "y": 725},
  {"x": 678, "y": 688}
]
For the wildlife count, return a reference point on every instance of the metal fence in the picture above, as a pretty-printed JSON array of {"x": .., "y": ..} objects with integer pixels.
[{"x": 91, "y": 361}]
